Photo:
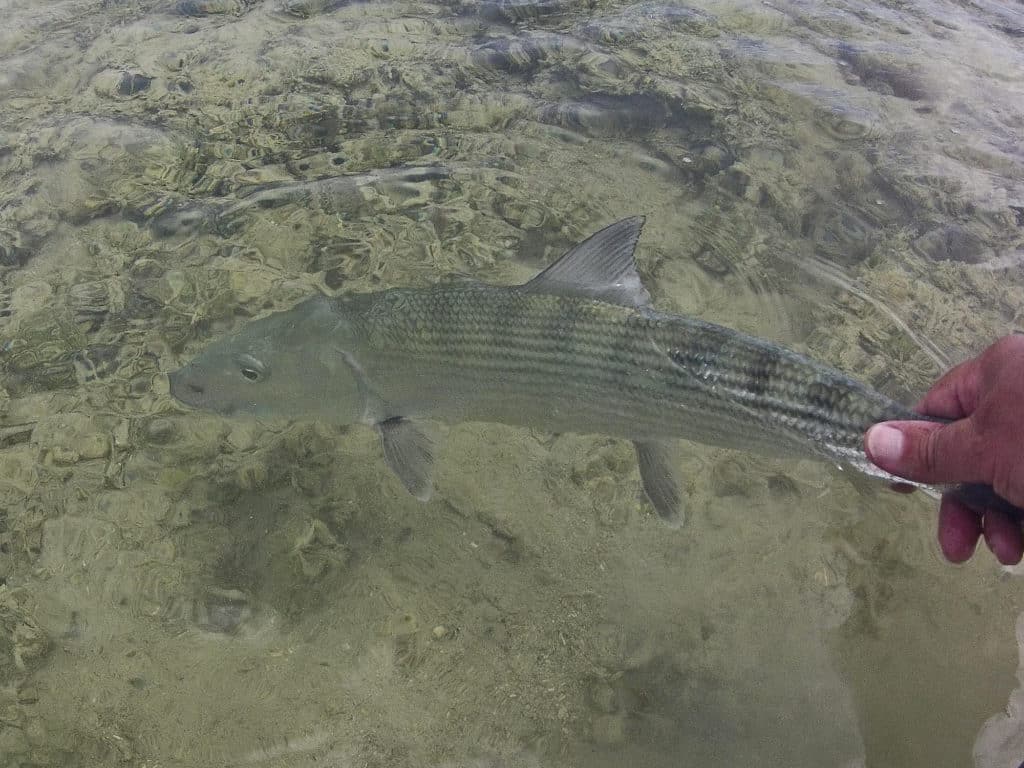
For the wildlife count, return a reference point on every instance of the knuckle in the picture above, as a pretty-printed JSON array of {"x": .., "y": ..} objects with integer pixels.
[
  {"x": 1008, "y": 482},
  {"x": 930, "y": 451}
]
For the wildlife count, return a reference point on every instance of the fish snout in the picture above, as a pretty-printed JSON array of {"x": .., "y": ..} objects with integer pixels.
[{"x": 186, "y": 386}]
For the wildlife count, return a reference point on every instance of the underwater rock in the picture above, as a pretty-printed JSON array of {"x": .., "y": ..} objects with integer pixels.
[
  {"x": 194, "y": 8},
  {"x": 305, "y": 9},
  {"x": 530, "y": 10},
  {"x": 712, "y": 262},
  {"x": 608, "y": 114},
  {"x": 883, "y": 73},
  {"x": 341, "y": 195},
  {"x": 729, "y": 477},
  {"x": 94, "y": 300},
  {"x": 186, "y": 218},
  {"x": 15, "y": 434},
  {"x": 132, "y": 83},
  {"x": 119, "y": 83},
  {"x": 952, "y": 242},
  {"x": 23, "y": 643},
  {"x": 643, "y": 21},
  {"x": 845, "y": 122},
  {"x": 519, "y": 55},
  {"x": 30, "y": 367},
  {"x": 161, "y": 431},
  {"x": 13, "y": 256},
  {"x": 67, "y": 438},
  {"x": 222, "y": 610},
  {"x": 840, "y": 233}
]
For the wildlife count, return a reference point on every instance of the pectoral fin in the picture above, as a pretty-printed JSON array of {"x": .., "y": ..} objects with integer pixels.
[
  {"x": 661, "y": 480},
  {"x": 409, "y": 452}
]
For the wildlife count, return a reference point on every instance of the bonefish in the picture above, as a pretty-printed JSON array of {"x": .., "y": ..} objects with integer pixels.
[{"x": 578, "y": 348}]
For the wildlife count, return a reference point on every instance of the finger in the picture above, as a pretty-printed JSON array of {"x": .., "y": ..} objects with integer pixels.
[
  {"x": 928, "y": 452},
  {"x": 959, "y": 530},
  {"x": 955, "y": 395},
  {"x": 1004, "y": 537}
]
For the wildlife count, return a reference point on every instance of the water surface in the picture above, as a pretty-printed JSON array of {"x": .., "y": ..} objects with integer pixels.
[{"x": 181, "y": 590}]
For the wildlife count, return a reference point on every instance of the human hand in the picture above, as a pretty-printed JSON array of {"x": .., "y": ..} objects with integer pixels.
[{"x": 984, "y": 444}]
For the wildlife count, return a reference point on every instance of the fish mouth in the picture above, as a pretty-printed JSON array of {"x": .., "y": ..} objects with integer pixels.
[
  {"x": 184, "y": 387},
  {"x": 188, "y": 387}
]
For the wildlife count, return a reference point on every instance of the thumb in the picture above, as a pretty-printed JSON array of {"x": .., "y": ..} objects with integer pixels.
[{"x": 928, "y": 451}]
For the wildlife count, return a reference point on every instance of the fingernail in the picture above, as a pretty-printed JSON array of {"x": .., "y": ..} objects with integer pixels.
[{"x": 885, "y": 444}]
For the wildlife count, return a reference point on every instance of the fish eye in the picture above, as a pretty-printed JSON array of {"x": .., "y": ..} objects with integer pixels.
[{"x": 251, "y": 368}]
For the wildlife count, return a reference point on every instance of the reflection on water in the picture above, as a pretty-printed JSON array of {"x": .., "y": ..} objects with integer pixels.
[{"x": 183, "y": 590}]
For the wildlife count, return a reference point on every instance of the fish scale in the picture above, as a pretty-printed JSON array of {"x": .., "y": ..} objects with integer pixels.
[{"x": 647, "y": 370}]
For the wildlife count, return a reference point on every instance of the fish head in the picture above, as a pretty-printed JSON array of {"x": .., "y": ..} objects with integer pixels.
[{"x": 296, "y": 364}]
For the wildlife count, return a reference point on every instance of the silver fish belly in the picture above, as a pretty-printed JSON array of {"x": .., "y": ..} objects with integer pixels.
[{"x": 576, "y": 349}]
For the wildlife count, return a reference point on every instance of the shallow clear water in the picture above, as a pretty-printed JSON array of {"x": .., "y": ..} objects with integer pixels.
[{"x": 181, "y": 590}]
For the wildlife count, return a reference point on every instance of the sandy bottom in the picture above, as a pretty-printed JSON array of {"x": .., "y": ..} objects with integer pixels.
[{"x": 295, "y": 607}]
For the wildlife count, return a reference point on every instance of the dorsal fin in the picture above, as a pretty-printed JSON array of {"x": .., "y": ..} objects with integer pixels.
[{"x": 601, "y": 267}]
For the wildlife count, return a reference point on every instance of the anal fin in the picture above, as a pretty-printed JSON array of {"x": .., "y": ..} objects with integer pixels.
[
  {"x": 661, "y": 479},
  {"x": 409, "y": 452}
]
